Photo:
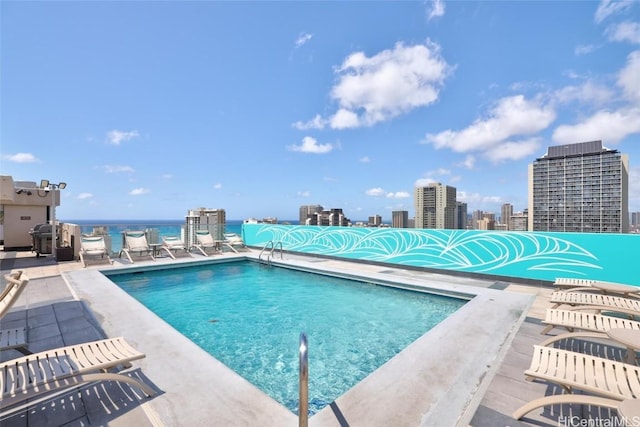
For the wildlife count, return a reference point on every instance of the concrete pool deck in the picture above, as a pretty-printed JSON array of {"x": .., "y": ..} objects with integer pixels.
[{"x": 444, "y": 378}]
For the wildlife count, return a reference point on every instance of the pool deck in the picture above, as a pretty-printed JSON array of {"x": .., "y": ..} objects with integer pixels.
[{"x": 466, "y": 371}]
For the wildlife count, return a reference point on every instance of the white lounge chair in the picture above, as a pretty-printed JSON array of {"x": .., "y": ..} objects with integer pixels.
[
  {"x": 595, "y": 301},
  {"x": 234, "y": 242},
  {"x": 206, "y": 243},
  {"x": 13, "y": 338},
  {"x": 136, "y": 243},
  {"x": 93, "y": 247},
  {"x": 580, "y": 320},
  {"x": 607, "y": 379},
  {"x": 33, "y": 378},
  {"x": 172, "y": 245}
]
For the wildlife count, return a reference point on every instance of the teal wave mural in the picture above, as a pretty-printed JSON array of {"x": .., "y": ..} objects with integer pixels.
[{"x": 541, "y": 256}]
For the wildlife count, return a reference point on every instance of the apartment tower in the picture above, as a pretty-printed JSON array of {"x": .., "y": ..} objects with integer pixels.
[
  {"x": 308, "y": 214},
  {"x": 400, "y": 219},
  {"x": 582, "y": 188},
  {"x": 213, "y": 220},
  {"x": 435, "y": 206}
]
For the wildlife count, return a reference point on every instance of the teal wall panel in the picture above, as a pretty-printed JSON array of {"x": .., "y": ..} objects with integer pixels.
[{"x": 530, "y": 255}]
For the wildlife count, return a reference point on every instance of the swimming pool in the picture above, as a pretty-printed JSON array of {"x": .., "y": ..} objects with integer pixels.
[{"x": 249, "y": 317}]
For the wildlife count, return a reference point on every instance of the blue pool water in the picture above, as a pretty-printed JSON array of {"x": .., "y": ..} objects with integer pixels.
[{"x": 250, "y": 317}]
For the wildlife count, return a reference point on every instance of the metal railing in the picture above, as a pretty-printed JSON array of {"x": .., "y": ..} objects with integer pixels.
[
  {"x": 270, "y": 254},
  {"x": 303, "y": 406}
]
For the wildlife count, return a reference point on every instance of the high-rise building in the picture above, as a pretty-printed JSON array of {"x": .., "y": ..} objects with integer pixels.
[
  {"x": 213, "y": 220},
  {"x": 461, "y": 216},
  {"x": 400, "y": 219},
  {"x": 505, "y": 214},
  {"x": 580, "y": 188},
  {"x": 333, "y": 217},
  {"x": 307, "y": 213},
  {"x": 475, "y": 217},
  {"x": 375, "y": 221},
  {"x": 435, "y": 206},
  {"x": 519, "y": 221}
]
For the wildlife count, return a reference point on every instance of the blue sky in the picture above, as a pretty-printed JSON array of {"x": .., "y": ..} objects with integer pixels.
[{"x": 149, "y": 109}]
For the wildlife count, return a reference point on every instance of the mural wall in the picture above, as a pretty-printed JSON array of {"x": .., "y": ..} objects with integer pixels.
[{"x": 539, "y": 256}]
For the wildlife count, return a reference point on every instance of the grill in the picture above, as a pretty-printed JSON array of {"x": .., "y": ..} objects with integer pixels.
[{"x": 41, "y": 238}]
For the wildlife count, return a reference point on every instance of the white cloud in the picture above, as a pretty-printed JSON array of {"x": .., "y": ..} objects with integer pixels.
[
  {"x": 398, "y": 195},
  {"x": 511, "y": 116},
  {"x": 376, "y": 192},
  {"x": 115, "y": 137},
  {"x": 83, "y": 196},
  {"x": 117, "y": 169},
  {"x": 138, "y": 191},
  {"x": 364, "y": 159},
  {"x": 378, "y": 88},
  {"x": 477, "y": 198},
  {"x": 166, "y": 176},
  {"x": 629, "y": 77},
  {"x": 584, "y": 49},
  {"x": 588, "y": 92},
  {"x": 302, "y": 39},
  {"x": 435, "y": 9},
  {"x": 217, "y": 186},
  {"x": 316, "y": 123},
  {"x": 21, "y": 158},
  {"x": 610, "y": 127},
  {"x": 513, "y": 150},
  {"x": 468, "y": 162},
  {"x": 624, "y": 32},
  {"x": 310, "y": 145},
  {"x": 304, "y": 193},
  {"x": 607, "y": 8}
]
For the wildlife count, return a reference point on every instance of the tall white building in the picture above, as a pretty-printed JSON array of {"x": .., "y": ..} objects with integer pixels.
[
  {"x": 213, "y": 220},
  {"x": 435, "y": 206},
  {"x": 580, "y": 188}
]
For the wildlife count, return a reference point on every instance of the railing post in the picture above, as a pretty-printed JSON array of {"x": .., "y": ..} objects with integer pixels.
[{"x": 303, "y": 411}]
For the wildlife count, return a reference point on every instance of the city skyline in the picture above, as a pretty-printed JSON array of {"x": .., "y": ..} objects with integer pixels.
[{"x": 150, "y": 109}]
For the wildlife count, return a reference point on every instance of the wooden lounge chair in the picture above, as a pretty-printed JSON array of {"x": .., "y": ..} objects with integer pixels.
[
  {"x": 136, "y": 243},
  {"x": 93, "y": 247},
  {"x": 602, "y": 377},
  {"x": 35, "y": 377},
  {"x": 577, "y": 319},
  {"x": 566, "y": 283},
  {"x": 234, "y": 242},
  {"x": 15, "y": 338},
  {"x": 206, "y": 243},
  {"x": 595, "y": 300},
  {"x": 172, "y": 245}
]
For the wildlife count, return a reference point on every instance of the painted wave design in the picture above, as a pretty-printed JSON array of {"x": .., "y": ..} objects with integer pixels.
[{"x": 448, "y": 249}]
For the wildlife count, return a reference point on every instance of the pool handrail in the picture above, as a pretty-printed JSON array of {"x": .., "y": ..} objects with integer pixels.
[{"x": 303, "y": 406}]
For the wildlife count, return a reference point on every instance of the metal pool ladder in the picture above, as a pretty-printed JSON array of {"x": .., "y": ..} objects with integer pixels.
[
  {"x": 270, "y": 254},
  {"x": 303, "y": 405}
]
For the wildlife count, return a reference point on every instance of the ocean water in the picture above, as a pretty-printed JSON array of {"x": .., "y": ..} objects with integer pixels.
[{"x": 115, "y": 228}]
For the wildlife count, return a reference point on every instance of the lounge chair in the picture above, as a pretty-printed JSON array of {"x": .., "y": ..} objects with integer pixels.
[
  {"x": 206, "y": 242},
  {"x": 136, "y": 242},
  {"x": 608, "y": 379},
  {"x": 35, "y": 377},
  {"x": 576, "y": 319},
  {"x": 14, "y": 338},
  {"x": 93, "y": 247},
  {"x": 233, "y": 241},
  {"x": 566, "y": 283},
  {"x": 172, "y": 245},
  {"x": 596, "y": 301}
]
